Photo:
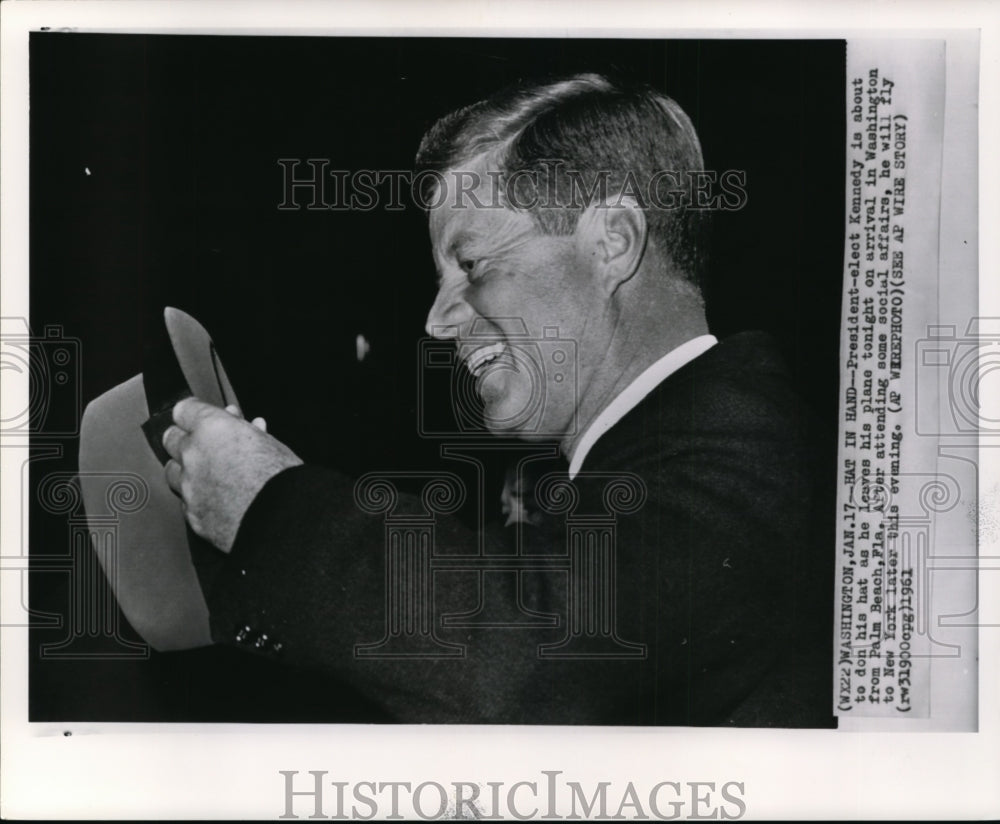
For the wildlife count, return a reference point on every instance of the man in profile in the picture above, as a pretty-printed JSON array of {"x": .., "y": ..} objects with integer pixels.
[{"x": 556, "y": 207}]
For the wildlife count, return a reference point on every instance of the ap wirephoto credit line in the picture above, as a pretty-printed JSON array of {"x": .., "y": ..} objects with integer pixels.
[{"x": 910, "y": 379}]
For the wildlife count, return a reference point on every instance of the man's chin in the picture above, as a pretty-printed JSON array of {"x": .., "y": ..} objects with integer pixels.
[
  {"x": 523, "y": 423},
  {"x": 516, "y": 412}
]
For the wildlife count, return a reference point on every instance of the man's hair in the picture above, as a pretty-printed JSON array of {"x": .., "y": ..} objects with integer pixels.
[{"x": 560, "y": 146}]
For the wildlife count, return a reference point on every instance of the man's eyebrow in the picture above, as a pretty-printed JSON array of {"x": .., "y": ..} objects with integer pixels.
[
  {"x": 462, "y": 238},
  {"x": 473, "y": 244}
]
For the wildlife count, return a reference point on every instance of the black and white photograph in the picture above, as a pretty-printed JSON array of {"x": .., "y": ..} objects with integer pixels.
[
  {"x": 394, "y": 391},
  {"x": 251, "y": 188}
]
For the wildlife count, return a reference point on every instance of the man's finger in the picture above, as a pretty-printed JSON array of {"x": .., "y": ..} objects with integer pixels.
[
  {"x": 233, "y": 409},
  {"x": 260, "y": 423},
  {"x": 173, "y": 439},
  {"x": 188, "y": 413},
  {"x": 173, "y": 470}
]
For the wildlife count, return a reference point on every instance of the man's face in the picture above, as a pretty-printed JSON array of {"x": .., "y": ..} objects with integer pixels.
[{"x": 518, "y": 304}]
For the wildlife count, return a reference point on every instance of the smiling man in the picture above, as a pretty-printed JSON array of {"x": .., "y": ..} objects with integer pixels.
[
  {"x": 563, "y": 231},
  {"x": 560, "y": 206}
]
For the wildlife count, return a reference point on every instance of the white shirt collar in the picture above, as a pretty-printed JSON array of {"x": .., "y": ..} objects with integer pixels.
[{"x": 633, "y": 394}]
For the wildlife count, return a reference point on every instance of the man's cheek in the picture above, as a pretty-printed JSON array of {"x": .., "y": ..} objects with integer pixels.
[
  {"x": 509, "y": 399},
  {"x": 498, "y": 295},
  {"x": 495, "y": 385}
]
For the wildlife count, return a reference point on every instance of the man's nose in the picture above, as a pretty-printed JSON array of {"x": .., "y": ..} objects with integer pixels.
[{"x": 449, "y": 311}]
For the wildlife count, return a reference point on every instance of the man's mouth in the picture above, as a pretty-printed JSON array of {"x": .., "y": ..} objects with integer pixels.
[{"x": 481, "y": 358}]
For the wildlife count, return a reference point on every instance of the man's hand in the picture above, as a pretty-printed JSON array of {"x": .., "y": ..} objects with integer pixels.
[{"x": 219, "y": 462}]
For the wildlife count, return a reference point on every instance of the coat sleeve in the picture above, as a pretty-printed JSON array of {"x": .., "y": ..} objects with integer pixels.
[
  {"x": 306, "y": 583},
  {"x": 699, "y": 589}
]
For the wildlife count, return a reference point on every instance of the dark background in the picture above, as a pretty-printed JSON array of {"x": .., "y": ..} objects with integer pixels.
[{"x": 182, "y": 134}]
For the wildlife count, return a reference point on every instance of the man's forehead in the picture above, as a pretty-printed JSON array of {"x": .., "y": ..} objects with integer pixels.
[
  {"x": 476, "y": 220},
  {"x": 471, "y": 186}
]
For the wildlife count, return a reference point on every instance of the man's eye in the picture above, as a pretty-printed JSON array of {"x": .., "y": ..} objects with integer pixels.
[{"x": 469, "y": 267}]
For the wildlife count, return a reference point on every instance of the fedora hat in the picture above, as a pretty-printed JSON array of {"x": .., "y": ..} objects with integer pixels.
[{"x": 158, "y": 568}]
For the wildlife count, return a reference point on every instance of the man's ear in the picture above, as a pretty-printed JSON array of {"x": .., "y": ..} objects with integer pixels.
[{"x": 614, "y": 234}]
